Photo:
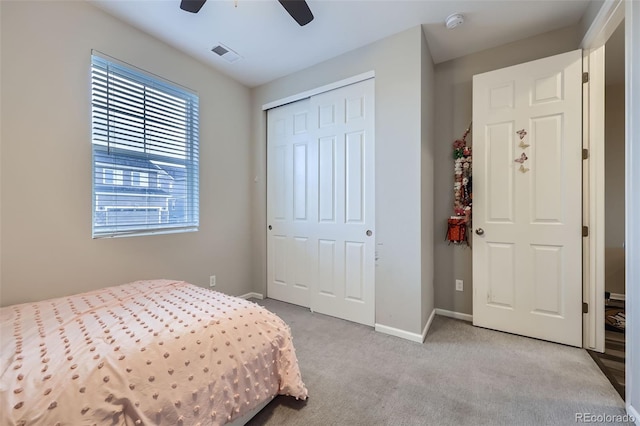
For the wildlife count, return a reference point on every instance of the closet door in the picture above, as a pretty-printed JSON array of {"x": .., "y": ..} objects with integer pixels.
[
  {"x": 321, "y": 203},
  {"x": 289, "y": 208}
]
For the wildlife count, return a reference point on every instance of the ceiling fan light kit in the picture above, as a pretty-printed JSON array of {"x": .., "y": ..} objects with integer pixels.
[{"x": 298, "y": 9}]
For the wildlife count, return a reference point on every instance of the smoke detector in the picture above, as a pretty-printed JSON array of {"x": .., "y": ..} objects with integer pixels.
[{"x": 454, "y": 20}]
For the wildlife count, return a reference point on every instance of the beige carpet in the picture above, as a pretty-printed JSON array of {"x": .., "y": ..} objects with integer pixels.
[{"x": 461, "y": 375}]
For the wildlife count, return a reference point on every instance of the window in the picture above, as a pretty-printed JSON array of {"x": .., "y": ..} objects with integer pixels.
[
  {"x": 139, "y": 179},
  {"x": 145, "y": 152},
  {"x": 112, "y": 177}
]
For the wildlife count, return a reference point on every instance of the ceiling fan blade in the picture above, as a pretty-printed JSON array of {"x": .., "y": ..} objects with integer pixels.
[
  {"x": 192, "y": 6},
  {"x": 299, "y": 10}
]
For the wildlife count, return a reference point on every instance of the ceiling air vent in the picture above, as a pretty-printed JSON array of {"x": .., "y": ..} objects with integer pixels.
[{"x": 225, "y": 53}]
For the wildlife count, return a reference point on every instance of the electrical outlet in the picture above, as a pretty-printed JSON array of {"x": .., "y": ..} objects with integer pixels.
[
  {"x": 459, "y": 285},
  {"x": 212, "y": 281}
]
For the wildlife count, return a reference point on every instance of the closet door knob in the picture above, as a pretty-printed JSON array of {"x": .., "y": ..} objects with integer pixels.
[
  {"x": 480, "y": 231},
  {"x": 369, "y": 233},
  {"x": 270, "y": 227}
]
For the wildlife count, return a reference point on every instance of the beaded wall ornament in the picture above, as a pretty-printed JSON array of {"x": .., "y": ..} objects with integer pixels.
[
  {"x": 458, "y": 223},
  {"x": 523, "y": 157}
]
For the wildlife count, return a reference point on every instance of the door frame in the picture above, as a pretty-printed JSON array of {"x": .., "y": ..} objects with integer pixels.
[
  {"x": 327, "y": 87},
  {"x": 632, "y": 204},
  {"x": 604, "y": 24}
]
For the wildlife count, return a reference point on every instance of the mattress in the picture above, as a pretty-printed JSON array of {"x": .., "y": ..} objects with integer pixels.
[{"x": 149, "y": 352}]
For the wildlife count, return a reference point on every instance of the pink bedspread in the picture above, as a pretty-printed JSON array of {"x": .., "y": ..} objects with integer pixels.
[{"x": 148, "y": 352}]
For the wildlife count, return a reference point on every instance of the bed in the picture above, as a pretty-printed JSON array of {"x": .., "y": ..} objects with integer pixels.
[{"x": 148, "y": 352}]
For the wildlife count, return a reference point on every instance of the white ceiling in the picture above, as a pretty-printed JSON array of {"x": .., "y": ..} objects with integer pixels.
[{"x": 272, "y": 44}]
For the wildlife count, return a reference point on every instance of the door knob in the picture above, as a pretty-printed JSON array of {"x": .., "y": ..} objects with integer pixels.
[
  {"x": 369, "y": 233},
  {"x": 270, "y": 227},
  {"x": 480, "y": 231}
]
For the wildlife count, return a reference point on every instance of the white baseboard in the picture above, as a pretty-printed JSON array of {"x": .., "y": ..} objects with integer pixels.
[
  {"x": 427, "y": 326},
  {"x": 617, "y": 296},
  {"x": 634, "y": 413},
  {"x": 414, "y": 337},
  {"x": 252, "y": 296},
  {"x": 456, "y": 315}
]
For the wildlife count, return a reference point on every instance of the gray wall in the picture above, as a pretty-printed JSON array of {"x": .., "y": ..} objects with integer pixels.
[
  {"x": 614, "y": 188},
  {"x": 46, "y": 245},
  {"x": 453, "y": 115},
  {"x": 614, "y": 165},
  {"x": 399, "y": 74},
  {"x": 589, "y": 15}
]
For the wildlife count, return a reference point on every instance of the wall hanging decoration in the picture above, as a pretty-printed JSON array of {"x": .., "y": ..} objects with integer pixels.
[
  {"x": 522, "y": 133},
  {"x": 458, "y": 224},
  {"x": 523, "y": 157}
]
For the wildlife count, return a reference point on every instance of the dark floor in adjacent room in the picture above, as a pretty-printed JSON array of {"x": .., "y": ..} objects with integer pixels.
[{"x": 612, "y": 361}]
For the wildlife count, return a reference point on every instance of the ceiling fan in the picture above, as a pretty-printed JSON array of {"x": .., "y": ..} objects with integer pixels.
[{"x": 298, "y": 9}]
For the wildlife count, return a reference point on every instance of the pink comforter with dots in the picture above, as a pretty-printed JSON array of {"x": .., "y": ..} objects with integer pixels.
[{"x": 149, "y": 352}]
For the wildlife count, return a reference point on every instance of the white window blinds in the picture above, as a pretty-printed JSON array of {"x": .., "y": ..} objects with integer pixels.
[{"x": 145, "y": 152}]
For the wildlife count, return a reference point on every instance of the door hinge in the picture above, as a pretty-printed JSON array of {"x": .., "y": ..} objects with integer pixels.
[
  {"x": 585, "y": 153},
  {"x": 585, "y": 231},
  {"x": 585, "y": 308},
  {"x": 585, "y": 77}
]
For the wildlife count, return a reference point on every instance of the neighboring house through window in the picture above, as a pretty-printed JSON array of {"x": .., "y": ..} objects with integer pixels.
[{"x": 145, "y": 152}]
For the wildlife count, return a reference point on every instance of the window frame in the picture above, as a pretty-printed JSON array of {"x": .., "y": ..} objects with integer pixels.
[{"x": 178, "y": 151}]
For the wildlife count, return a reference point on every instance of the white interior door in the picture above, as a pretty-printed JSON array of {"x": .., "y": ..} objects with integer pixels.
[
  {"x": 320, "y": 203},
  {"x": 527, "y": 214}
]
